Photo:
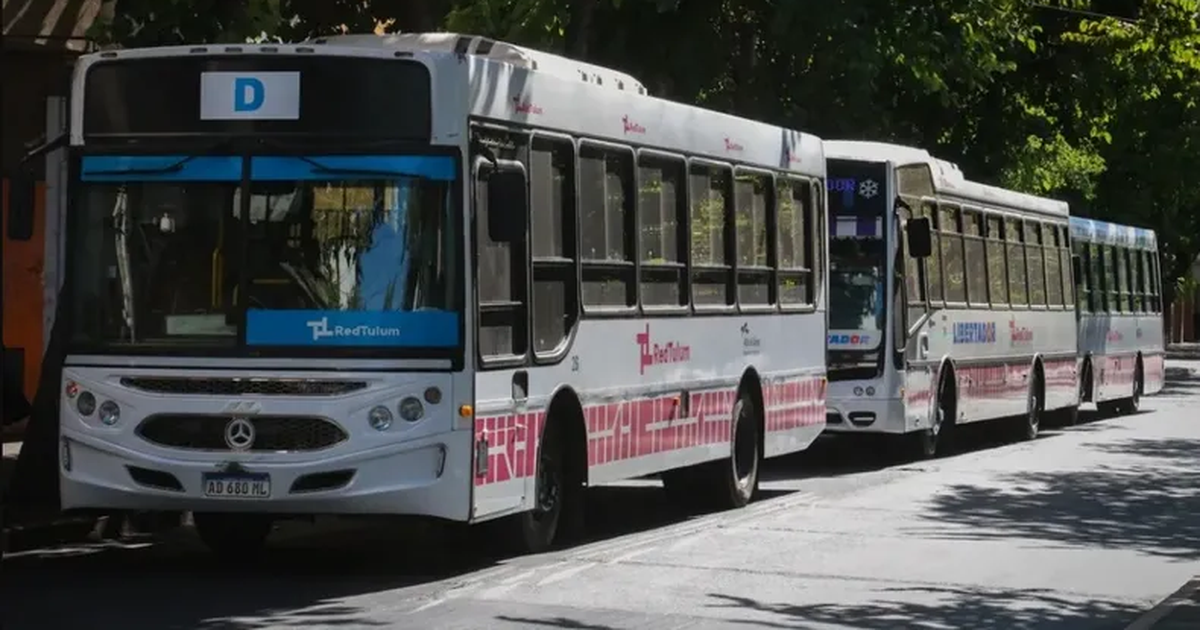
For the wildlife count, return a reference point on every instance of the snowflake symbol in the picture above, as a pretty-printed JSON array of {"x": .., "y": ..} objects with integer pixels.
[{"x": 868, "y": 188}]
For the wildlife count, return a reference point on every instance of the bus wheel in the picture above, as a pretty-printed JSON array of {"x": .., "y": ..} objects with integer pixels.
[
  {"x": 740, "y": 476},
  {"x": 928, "y": 443},
  {"x": 537, "y": 528},
  {"x": 233, "y": 536},
  {"x": 1032, "y": 423}
]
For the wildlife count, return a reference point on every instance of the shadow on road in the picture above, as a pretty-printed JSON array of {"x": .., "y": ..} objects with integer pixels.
[
  {"x": 1180, "y": 382},
  {"x": 310, "y": 576},
  {"x": 948, "y": 607},
  {"x": 1146, "y": 501}
]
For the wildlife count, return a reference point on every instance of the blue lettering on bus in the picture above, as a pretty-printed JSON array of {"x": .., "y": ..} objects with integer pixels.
[
  {"x": 974, "y": 332},
  {"x": 248, "y": 94}
]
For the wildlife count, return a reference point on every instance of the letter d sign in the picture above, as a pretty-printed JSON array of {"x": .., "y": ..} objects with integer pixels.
[{"x": 248, "y": 94}]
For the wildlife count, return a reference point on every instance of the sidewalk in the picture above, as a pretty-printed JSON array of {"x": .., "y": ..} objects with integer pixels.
[{"x": 1180, "y": 611}]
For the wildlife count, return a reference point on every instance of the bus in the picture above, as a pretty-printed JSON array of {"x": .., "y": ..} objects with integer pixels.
[
  {"x": 426, "y": 274},
  {"x": 950, "y": 301},
  {"x": 1119, "y": 289}
]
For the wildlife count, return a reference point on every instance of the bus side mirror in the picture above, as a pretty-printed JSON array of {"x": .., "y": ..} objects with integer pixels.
[
  {"x": 1076, "y": 268},
  {"x": 507, "y": 200},
  {"x": 19, "y": 206},
  {"x": 920, "y": 237}
]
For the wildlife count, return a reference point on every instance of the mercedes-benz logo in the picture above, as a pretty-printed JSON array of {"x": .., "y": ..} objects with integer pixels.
[{"x": 239, "y": 434}]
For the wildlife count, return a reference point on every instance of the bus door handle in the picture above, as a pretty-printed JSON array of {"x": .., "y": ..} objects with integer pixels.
[
  {"x": 923, "y": 345},
  {"x": 520, "y": 386}
]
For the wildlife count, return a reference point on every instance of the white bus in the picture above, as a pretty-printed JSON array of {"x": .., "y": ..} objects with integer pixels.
[
  {"x": 950, "y": 301},
  {"x": 426, "y": 274},
  {"x": 1119, "y": 288}
]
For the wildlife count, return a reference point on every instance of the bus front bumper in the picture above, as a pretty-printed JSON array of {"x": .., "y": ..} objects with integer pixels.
[
  {"x": 427, "y": 477},
  {"x": 864, "y": 415}
]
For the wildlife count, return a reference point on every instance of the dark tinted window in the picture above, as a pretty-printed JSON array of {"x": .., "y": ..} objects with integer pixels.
[{"x": 382, "y": 98}]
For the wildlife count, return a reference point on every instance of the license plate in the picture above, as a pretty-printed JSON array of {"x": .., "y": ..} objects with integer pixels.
[{"x": 237, "y": 486}]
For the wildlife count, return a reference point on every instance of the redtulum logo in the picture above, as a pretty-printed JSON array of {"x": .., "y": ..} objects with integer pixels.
[
  {"x": 730, "y": 145},
  {"x": 790, "y": 158},
  {"x": 525, "y": 106},
  {"x": 1020, "y": 335},
  {"x": 660, "y": 354},
  {"x": 1114, "y": 336},
  {"x": 632, "y": 127}
]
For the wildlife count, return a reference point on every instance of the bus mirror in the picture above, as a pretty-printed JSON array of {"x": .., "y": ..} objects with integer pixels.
[
  {"x": 19, "y": 206},
  {"x": 920, "y": 239},
  {"x": 506, "y": 202},
  {"x": 1076, "y": 268}
]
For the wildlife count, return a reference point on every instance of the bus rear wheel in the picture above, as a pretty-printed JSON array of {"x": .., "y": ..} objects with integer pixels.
[
  {"x": 726, "y": 483},
  {"x": 1031, "y": 423},
  {"x": 1133, "y": 404}
]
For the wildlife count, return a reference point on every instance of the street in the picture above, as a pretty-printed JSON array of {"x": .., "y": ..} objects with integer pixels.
[{"x": 1087, "y": 527}]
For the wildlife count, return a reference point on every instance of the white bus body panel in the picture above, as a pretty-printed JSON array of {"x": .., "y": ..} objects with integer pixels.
[{"x": 634, "y": 425}]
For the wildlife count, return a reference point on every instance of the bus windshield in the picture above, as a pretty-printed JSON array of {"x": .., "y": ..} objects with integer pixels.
[
  {"x": 338, "y": 251},
  {"x": 858, "y": 204}
]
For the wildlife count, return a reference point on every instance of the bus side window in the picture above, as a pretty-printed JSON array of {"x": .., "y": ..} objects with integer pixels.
[
  {"x": 1068, "y": 278},
  {"x": 1151, "y": 286},
  {"x": 1017, "y": 289},
  {"x": 501, "y": 218},
  {"x": 19, "y": 206},
  {"x": 996, "y": 262},
  {"x": 552, "y": 247}
]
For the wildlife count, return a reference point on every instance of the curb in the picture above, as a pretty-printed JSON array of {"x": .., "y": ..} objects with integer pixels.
[{"x": 1175, "y": 602}]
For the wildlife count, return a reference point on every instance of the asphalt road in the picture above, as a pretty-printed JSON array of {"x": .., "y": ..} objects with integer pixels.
[{"x": 1085, "y": 528}]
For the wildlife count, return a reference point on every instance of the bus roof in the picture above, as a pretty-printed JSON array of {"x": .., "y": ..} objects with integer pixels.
[
  {"x": 1102, "y": 233},
  {"x": 552, "y": 92},
  {"x": 474, "y": 45},
  {"x": 948, "y": 178}
]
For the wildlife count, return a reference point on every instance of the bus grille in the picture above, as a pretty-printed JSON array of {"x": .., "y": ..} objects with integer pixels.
[
  {"x": 271, "y": 433},
  {"x": 242, "y": 386}
]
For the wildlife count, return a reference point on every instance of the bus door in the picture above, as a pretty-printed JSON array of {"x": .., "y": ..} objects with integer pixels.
[{"x": 913, "y": 246}]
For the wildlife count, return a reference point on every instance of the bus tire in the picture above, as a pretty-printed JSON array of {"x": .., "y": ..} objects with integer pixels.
[
  {"x": 931, "y": 442},
  {"x": 738, "y": 477},
  {"x": 233, "y": 536},
  {"x": 1031, "y": 422},
  {"x": 537, "y": 529},
  {"x": 727, "y": 483},
  {"x": 1133, "y": 404}
]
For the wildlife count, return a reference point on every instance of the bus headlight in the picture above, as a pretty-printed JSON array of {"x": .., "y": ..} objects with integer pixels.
[
  {"x": 858, "y": 391},
  {"x": 86, "y": 404},
  {"x": 380, "y": 418},
  {"x": 411, "y": 409},
  {"x": 110, "y": 413},
  {"x": 870, "y": 391}
]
